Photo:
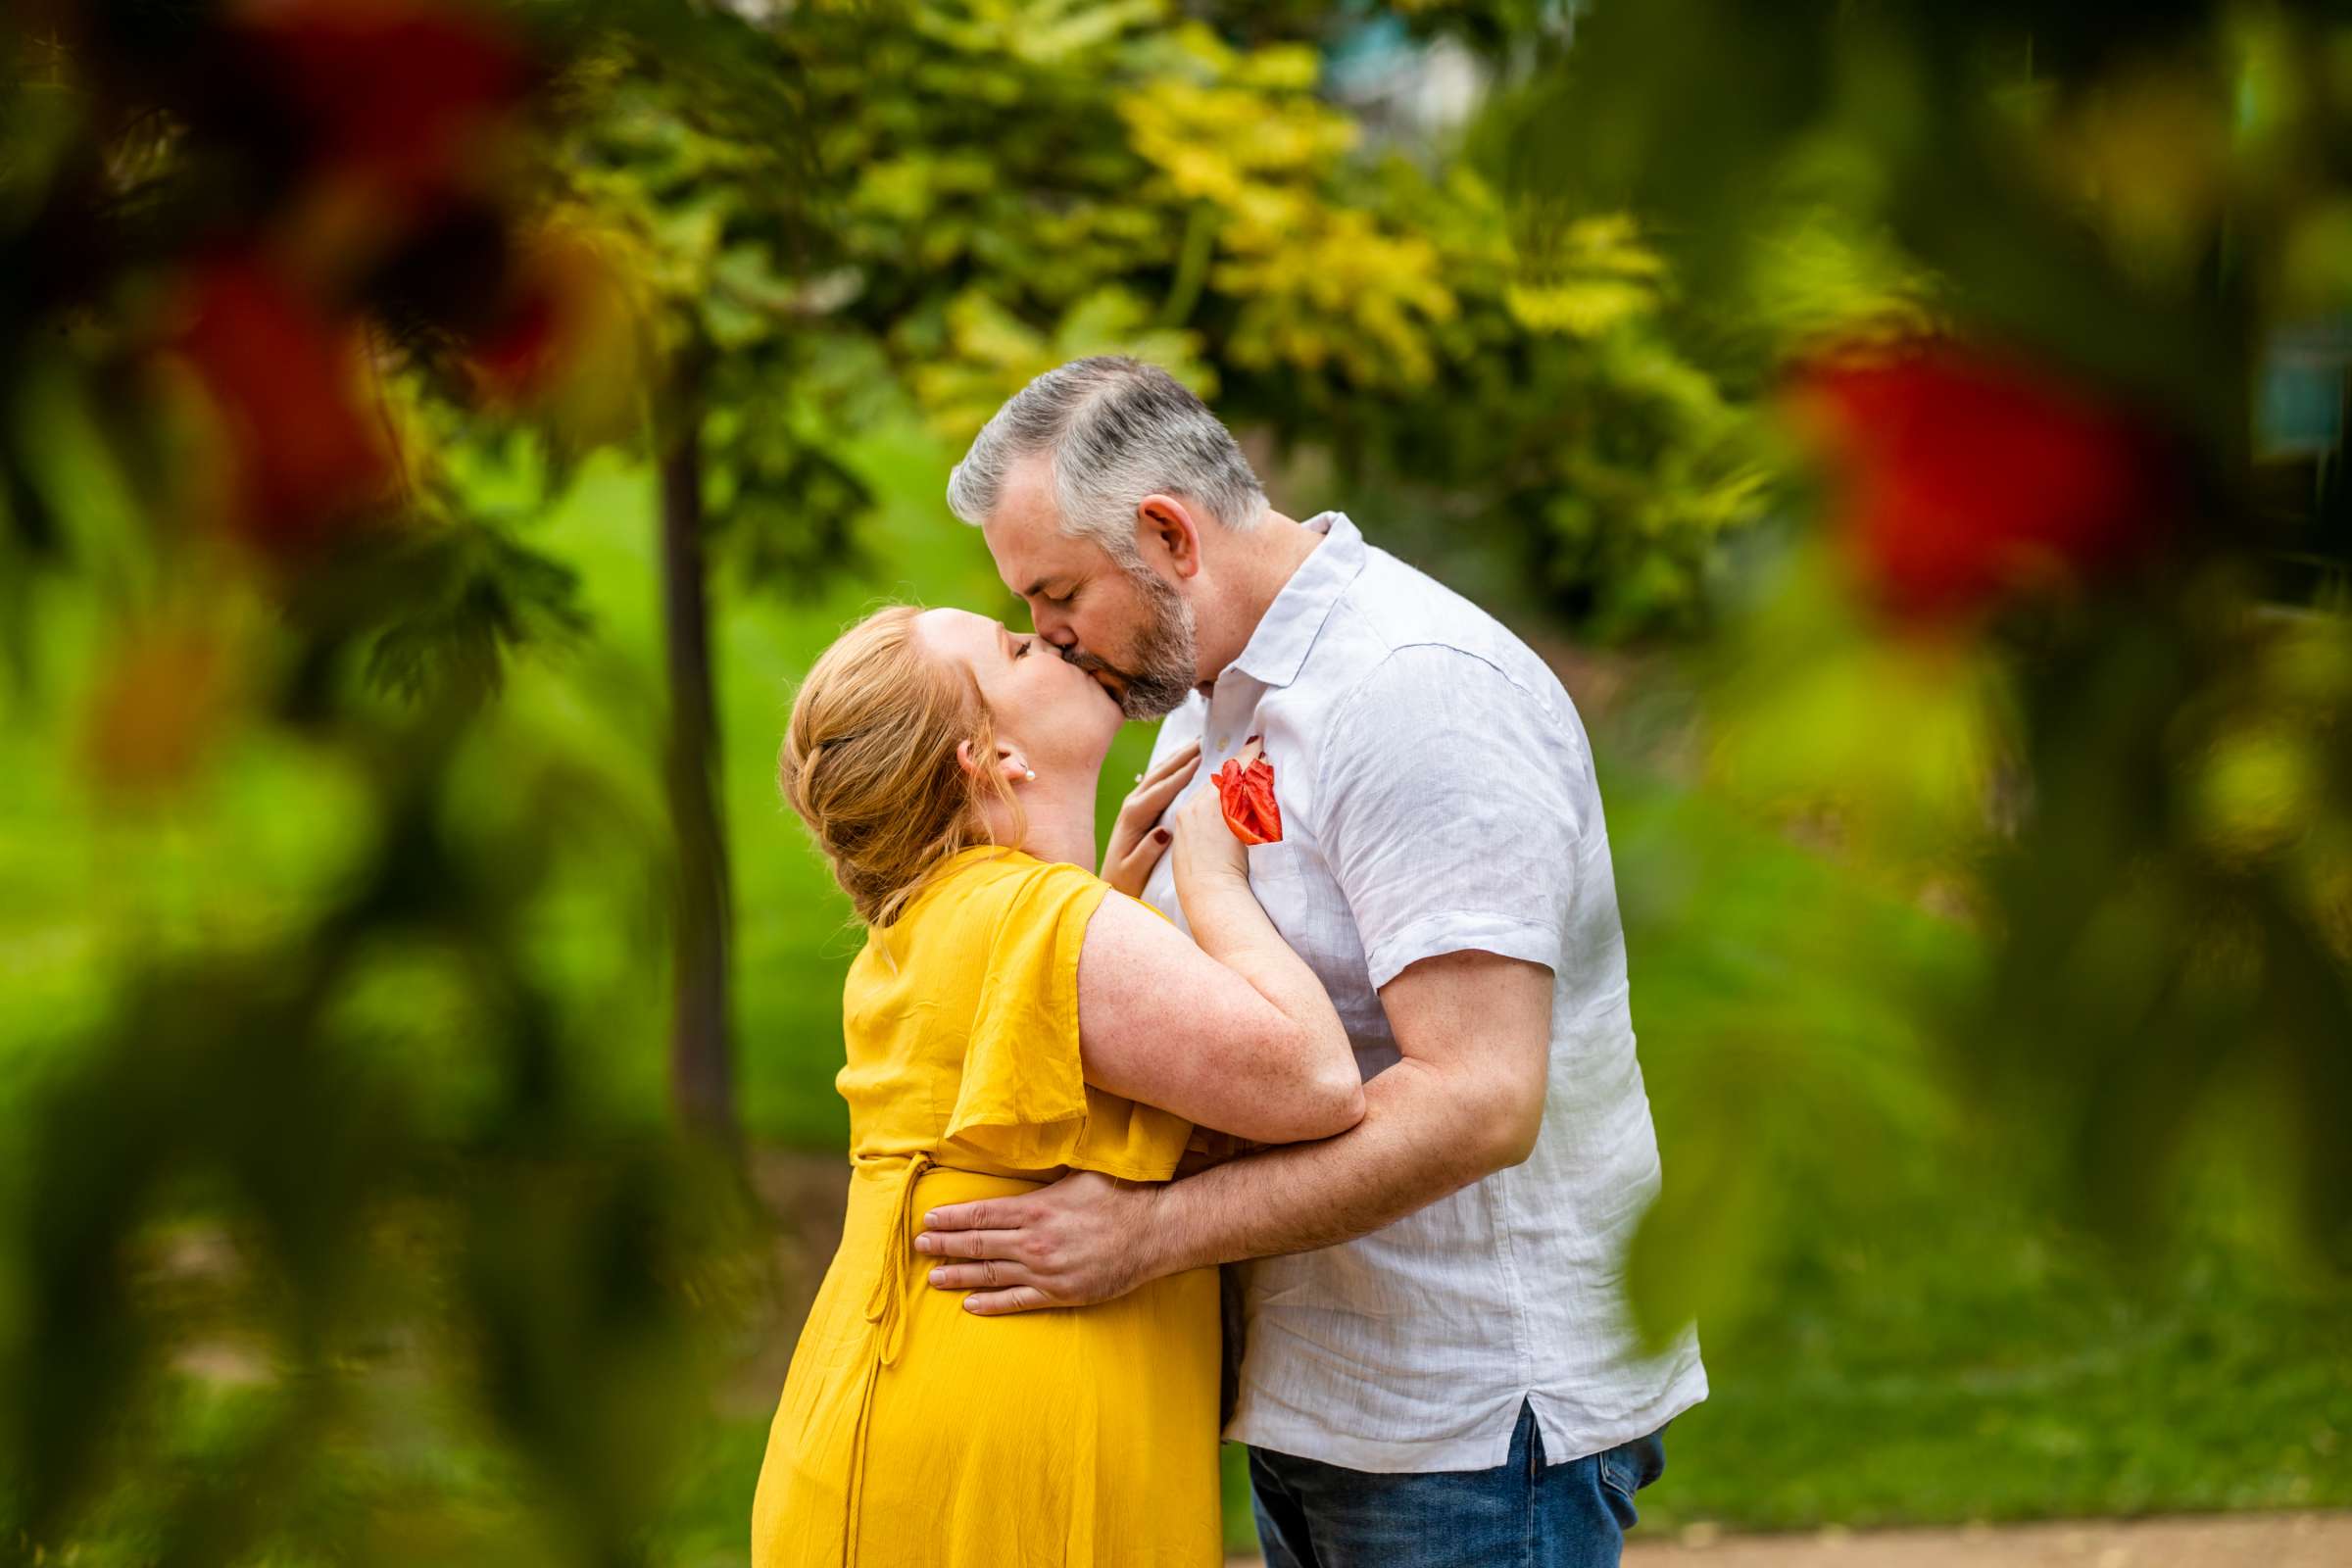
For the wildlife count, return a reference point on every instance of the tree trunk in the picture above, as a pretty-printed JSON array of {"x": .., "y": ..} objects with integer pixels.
[{"x": 701, "y": 1076}]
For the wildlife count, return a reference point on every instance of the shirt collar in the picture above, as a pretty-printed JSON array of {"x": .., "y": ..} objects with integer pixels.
[{"x": 1278, "y": 647}]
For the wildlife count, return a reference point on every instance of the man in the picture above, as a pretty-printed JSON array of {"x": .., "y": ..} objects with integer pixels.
[{"x": 1438, "y": 1367}]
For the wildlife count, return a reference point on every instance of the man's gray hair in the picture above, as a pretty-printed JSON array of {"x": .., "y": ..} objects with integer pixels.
[{"x": 1115, "y": 430}]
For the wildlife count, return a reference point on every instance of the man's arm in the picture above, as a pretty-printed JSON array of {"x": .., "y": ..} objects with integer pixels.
[{"x": 1466, "y": 1100}]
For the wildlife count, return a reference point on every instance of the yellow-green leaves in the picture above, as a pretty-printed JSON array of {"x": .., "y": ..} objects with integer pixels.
[
  {"x": 995, "y": 355},
  {"x": 1583, "y": 276},
  {"x": 1037, "y": 31},
  {"x": 1318, "y": 282}
]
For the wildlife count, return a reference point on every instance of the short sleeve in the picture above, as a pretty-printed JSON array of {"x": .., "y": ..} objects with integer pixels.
[
  {"x": 1023, "y": 1101},
  {"x": 1453, "y": 819}
]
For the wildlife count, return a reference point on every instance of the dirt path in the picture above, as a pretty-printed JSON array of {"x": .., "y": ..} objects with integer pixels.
[{"x": 2204, "y": 1541}]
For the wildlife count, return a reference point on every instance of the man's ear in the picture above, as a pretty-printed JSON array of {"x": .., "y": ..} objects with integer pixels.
[{"x": 1164, "y": 527}]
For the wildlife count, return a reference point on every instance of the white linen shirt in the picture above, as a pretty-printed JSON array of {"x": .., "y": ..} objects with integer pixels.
[{"x": 1437, "y": 793}]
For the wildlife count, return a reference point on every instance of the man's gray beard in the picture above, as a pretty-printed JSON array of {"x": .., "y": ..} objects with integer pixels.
[{"x": 1166, "y": 654}]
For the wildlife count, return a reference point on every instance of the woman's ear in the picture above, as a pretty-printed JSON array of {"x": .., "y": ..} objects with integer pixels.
[{"x": 1010, "y": 765}]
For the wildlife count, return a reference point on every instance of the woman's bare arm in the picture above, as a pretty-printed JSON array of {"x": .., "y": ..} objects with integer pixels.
[{"x": 1231, "y": 1032}]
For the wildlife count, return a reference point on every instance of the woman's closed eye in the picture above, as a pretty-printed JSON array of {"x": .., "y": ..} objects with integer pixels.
[{"x": 1022, "y": 652}]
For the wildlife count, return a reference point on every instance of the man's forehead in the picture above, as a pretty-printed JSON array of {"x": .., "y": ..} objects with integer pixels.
[
  {"x": 1029, "y": 546},
  {"x": 1027, "y": 494}
]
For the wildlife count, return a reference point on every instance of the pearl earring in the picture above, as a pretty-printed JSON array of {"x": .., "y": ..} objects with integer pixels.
[{"x": 1032, "y": 773}]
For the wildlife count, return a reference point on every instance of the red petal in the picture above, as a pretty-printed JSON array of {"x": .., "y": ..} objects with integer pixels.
[{"x": 1247, "y": 799}]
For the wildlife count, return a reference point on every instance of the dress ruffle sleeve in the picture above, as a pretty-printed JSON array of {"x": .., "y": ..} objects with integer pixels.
[{"x": 1024, "y": 1101}]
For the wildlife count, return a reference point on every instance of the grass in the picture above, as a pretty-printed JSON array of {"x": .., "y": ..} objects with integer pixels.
[{"x": 1918, "y": 1339}]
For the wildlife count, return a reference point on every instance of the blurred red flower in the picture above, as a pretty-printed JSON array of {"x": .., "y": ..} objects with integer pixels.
[
  {"x": 513, "y": 360},
  {"x": 537, "y": 330},
  {"x": 398, "y": 94},
  {"x": 288, "y": 380},
  {"x": 1969, "y": 475},
  {"x": 562, "y": 338}
]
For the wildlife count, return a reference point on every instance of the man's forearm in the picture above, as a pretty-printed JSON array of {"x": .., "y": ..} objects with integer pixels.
[{"x": 1417, "y": 1143}]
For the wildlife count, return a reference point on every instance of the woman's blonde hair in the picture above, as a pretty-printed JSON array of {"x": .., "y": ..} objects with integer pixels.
[{"x": 869, "y": 761}]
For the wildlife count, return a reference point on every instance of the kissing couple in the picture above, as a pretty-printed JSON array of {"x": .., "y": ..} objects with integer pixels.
[{"x": 1341, "y": 1005}]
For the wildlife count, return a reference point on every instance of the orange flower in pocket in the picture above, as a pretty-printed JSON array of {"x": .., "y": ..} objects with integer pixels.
[{"x": 1247, "y": 793}]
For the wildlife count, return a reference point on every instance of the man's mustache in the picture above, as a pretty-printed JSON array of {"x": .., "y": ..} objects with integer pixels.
[{"x": 1095, "y": 666}]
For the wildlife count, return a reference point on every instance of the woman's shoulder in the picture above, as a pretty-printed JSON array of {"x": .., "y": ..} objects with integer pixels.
[{"x": 989, "y": 880}]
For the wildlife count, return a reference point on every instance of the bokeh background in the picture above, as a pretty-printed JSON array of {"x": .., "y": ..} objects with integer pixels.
[{"x": 435, "y": 436}]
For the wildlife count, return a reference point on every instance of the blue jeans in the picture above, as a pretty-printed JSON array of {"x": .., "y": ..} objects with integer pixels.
[{"x": 1523, "y": 1513}]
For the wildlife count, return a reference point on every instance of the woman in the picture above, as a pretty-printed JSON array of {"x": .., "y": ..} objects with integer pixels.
[{"x": 1013, "y": 1017}]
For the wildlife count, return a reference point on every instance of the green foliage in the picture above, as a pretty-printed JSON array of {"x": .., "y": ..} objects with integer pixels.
[
  {"x": 992, "y": 355},
  {"x": 321, "y": 1192},
  {"x": 1891, "y": 1303},
  {"x": 344, "y": 1142},
  {"x": 2113, "y": 774},
  {"x": 984, "y": 191},
  {"x": 342, "y": 1227}
]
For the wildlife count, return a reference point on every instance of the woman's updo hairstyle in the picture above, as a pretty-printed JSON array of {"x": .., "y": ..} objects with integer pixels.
[{"x": 869, "y": 761}]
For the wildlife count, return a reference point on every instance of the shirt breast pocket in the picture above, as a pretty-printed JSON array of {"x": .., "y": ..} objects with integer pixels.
[
  {"x": 1276, "y": 871},
  {"x": 1309, "y": 913},
  {"x": 1295, "y": 891}
]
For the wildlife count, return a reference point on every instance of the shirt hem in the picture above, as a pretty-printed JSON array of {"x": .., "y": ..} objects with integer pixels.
[
  {"x": 1391, "y": 1456},
  {"x": 1458, "y": 930}
]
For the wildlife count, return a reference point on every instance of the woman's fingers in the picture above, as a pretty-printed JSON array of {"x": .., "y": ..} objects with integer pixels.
[
  {"x": 1147, "y": 803},
  {"x": 1132, "y": 853},
  {"x": 1204, "y": 811},
  {"x": 1161, "y": 784},
  {"x": 1189, "y": 752},
  {"x": 1200, "y": 822},
  {"x": 1136, "y": 864},
  {"x": 1154, "y": 795}
]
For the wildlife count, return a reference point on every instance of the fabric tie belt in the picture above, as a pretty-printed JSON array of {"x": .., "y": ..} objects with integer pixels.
[{"x": 886, "y": 1312}]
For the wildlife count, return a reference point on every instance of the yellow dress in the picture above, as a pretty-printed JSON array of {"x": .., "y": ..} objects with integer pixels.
[{"x": 912, "y": 1432}]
